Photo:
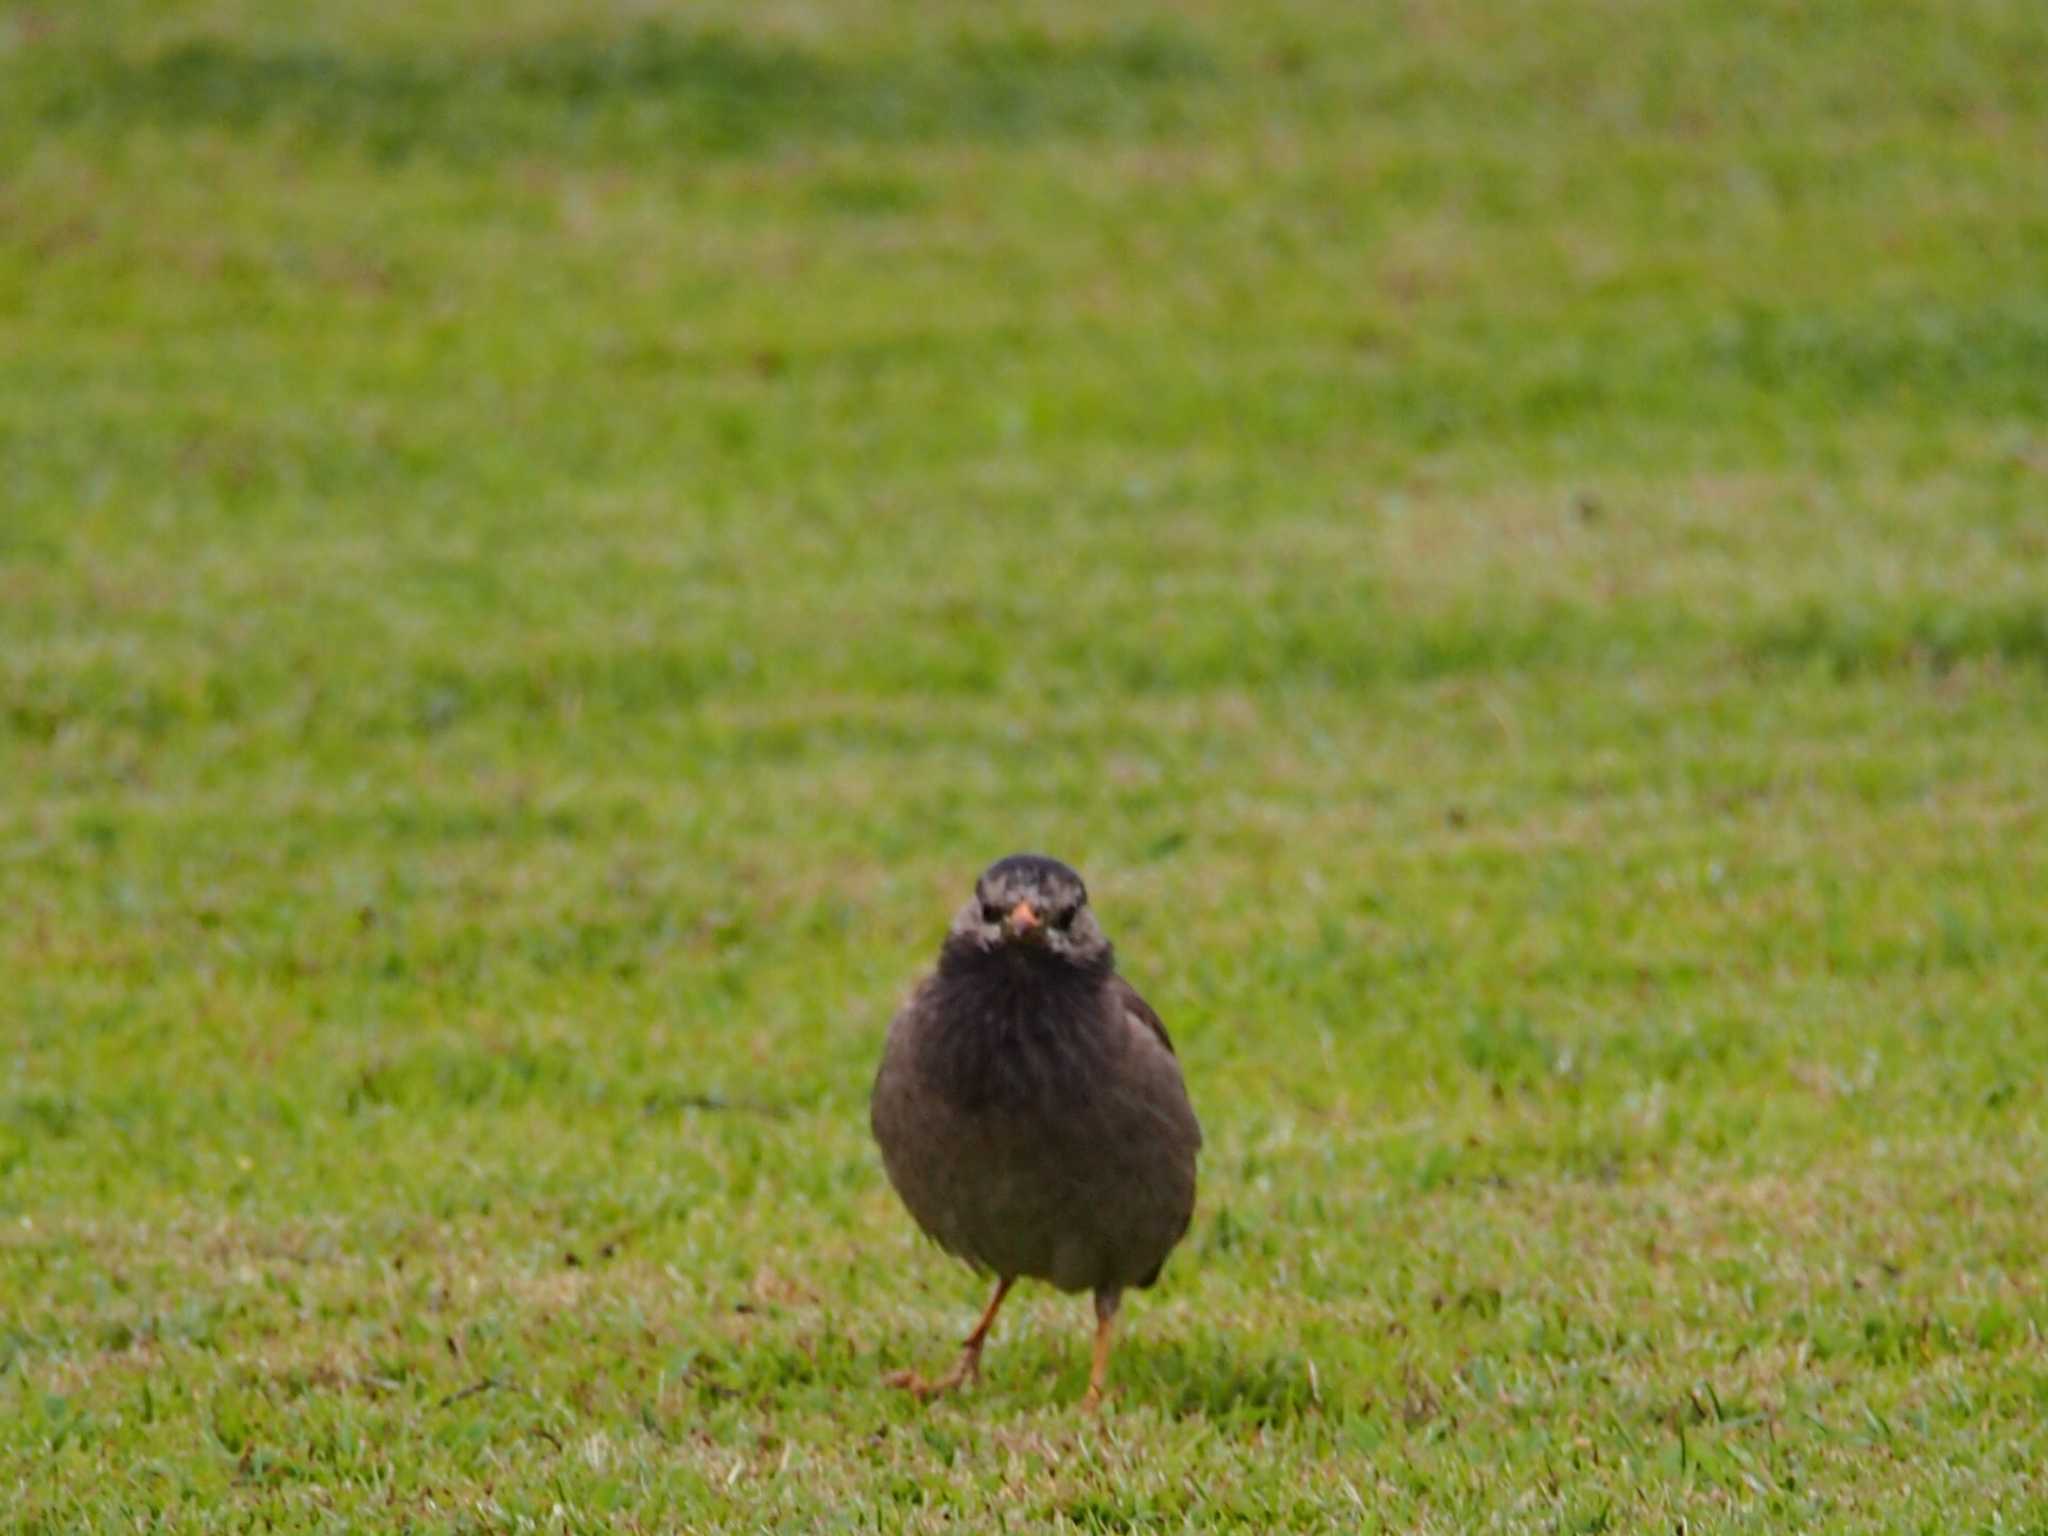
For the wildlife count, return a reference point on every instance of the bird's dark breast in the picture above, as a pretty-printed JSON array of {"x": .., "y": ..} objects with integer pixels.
[{"x": 1016, "y": 1033}]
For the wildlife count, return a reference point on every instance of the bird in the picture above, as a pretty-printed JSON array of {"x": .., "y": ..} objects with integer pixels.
[{"x": 1030, "y": 1108}]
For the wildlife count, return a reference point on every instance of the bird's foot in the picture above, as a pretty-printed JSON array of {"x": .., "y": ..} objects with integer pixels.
[
  {"x": 911, "y": 1382},
  {"x": 966, "y": 1369}
]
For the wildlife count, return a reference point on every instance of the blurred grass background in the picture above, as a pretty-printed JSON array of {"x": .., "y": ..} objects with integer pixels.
[{"x": 541, "y": 548}]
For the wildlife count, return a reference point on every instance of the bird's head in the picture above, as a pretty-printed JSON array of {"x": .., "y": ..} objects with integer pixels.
[{"x": 1033, "y": 905}]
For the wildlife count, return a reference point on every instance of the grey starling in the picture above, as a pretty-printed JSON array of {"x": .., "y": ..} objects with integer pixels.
[{"x": 1030, "y": 1110}]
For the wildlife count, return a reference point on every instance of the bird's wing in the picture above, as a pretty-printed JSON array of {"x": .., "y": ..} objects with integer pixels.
[
  {"x": 1136, "y": 1008},
  {"x": 1164, "y": 1121}
]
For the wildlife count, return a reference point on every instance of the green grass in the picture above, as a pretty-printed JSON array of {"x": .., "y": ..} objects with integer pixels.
[{"x": 540, "y": 552}]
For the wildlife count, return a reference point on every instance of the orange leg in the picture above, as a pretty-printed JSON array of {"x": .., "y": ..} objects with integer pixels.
[
  {"x": 968, "y": 1366},
  {"x": 1105, "y": 1324}
]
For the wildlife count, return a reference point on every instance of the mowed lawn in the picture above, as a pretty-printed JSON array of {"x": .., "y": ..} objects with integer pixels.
[{"x": 542, "y": 547}]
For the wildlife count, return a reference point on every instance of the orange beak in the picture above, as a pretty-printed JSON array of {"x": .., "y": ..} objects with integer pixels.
[{"x": 1022, "y": 918}]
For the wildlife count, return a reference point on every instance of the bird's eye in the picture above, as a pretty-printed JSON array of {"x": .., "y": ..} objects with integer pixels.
[
  {"x": 991, "y": 913},
  {"x": 1065, "y": 918}
]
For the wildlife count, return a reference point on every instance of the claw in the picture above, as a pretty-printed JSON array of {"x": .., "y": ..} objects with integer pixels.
[{"x": 968, "y": 1369}]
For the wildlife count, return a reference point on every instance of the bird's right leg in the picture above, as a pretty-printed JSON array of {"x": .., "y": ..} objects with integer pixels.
[
  {"x": 1098, "y": 1369},
  {"x": 968, "y": 1366}
]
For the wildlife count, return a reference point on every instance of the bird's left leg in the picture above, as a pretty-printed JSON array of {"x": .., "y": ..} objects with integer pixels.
[
  {"x": 1105, "y": 1322},
  {"x": 968, "y": 1366}
]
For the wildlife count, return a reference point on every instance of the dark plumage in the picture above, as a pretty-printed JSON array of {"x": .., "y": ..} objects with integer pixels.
[{"x": 1029, "y": 1107}]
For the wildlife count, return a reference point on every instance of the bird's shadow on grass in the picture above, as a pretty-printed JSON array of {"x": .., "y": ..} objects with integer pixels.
[
  {"x": 1214, "y": 1380},
  {"x": 1174, "y": 1378},
  {"x": 1221, "y": 1380}
]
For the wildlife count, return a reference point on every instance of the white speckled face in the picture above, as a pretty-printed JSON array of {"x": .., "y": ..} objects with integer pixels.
[{"x": 1029, "y": 900}]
